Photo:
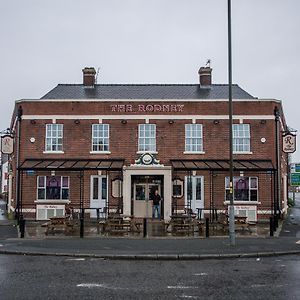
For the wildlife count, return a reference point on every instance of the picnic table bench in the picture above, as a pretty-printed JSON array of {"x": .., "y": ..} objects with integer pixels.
[
  {"x": 240, "y": 222},
  {"x": 58, "y": 224},
  {"x": 121, "y": 224},
  {"x": 181, "y": 224}
]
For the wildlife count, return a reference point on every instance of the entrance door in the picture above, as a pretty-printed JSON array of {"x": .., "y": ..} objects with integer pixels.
[
  {"x": 194, "y": 188},
  {"x": 98, "y": 194},
  {"x": 142, "y": 198}
]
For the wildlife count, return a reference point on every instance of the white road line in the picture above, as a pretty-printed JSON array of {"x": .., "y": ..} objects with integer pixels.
[
  {"x": 298, "y": 242},
  {"x": 91, "y": 285},
  {"x": 181, "y": 287},
  {"x": 189, "y": 297},
  {"x": 76, "y": 259},
  {"x": 258, "y": 285},
  {"x": 200, "y": 274},
  {"x": 99, "y": 285}
]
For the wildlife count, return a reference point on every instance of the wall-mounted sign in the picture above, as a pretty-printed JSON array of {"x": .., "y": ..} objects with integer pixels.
[
  {"x": 7, "y": 144},
  {"x": 289, "y": 143},
  {"x": 147, "y": 159},
  {"x": 147, "y": 108}
]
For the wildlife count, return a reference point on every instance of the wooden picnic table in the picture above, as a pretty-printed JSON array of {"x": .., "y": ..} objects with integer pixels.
[
  {"x": 181, "y": 223},
  {"x": 59, "y": 224}
]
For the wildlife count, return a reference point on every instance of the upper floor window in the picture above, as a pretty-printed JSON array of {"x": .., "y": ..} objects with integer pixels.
[
  {"x": 100, "y": 137},
  {"x": 54, "y": 137},
  {"x": 193, "y": 138},
  {"x": 147, "y": 137},
  {"x": 241, "y": 137},
  {"x": 52, "y": 187}
]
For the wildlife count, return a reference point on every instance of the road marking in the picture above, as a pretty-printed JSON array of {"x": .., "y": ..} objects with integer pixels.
[
  {"x": 258, "y": 259},
  {"x": 189, "y": 297},
  {"x": 91, "y": 285},
  {"x": 200, "y": 274},
  {"x": 258, "y": 285},
  {"x": 100, "y": 285},
  {"x": 298, "y": 242},
  {"x": 1, "y": 245},
  {"x": 181, "y": 287},
  {"x": 76, "y": 259}
]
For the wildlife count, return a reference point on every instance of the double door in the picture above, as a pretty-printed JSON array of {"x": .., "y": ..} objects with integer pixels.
[{"x": 143, "y": 195}]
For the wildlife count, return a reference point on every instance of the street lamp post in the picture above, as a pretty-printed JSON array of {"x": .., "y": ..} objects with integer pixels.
[{"x": 231, "y": 206}]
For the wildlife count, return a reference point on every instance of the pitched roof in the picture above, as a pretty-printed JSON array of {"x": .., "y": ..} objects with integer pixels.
[{"x": 145, "y": 91}]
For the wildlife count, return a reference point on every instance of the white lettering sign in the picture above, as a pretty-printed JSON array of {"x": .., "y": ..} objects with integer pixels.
[{"x": 147, "y": 108}]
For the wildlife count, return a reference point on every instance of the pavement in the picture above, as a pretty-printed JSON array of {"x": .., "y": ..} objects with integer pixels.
[{"x": 156, "y": 248}]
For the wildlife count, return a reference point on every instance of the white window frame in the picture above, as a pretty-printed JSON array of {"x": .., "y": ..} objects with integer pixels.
[
  {"x": 147, "y": 138},
  {"x": 193, "y": 138},
  {"x": 45, "y": 191},
  {"x": 102, "y": 135},
  {"x": 241, "y": 138},
  {"x": 250, "y": 189},
  {"x": 52, "y": 143}
]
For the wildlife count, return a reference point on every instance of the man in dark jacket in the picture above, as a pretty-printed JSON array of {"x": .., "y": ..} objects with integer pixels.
[{"x": 156, "y": 204}]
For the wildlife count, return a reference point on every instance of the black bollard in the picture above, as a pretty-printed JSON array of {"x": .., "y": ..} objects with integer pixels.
[
  {"x": 275, "y": 222},
  {"x": 82, "y": 223},
  {"x": 271, "y": 226},
  {"x": 207, "y": 227},
  {"x": 144, "y": 227},
  {"x": 22, "y": 227}
]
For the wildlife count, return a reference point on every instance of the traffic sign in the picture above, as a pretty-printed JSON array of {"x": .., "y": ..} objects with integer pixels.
[{"x": 295, "y": 179}]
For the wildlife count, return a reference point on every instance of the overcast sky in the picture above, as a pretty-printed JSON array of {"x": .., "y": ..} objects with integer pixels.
[{"x": 44, "y": 43}]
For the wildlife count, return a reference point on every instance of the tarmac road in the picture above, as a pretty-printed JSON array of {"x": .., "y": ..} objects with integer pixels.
[{"x": 37, "y": 277}]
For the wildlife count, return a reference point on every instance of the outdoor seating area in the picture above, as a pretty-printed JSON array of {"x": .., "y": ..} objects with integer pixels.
[{"x": 179, "y": 225}]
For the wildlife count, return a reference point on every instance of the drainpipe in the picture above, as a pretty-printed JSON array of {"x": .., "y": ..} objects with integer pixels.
[
  {"x": 18, "y": 188},
  {"x": 277, "y": 154}
]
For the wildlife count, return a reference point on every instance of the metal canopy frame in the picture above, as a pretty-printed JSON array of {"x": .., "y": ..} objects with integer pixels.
[
  {"x": 222, "y": 165},
  {"x": 68, "y": 165},
  {"x": 36, "y": 164}
]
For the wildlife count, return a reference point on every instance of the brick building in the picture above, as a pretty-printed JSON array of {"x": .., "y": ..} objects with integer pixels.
[{"x": 109, "y": 146}]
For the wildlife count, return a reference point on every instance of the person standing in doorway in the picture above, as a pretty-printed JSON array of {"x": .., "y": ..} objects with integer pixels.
[{"x": 156, "y": 204}]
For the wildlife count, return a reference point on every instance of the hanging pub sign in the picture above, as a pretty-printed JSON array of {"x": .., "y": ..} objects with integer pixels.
[
  {"x": 7, "y": 144},
  {"x": 289, "y": 143}
]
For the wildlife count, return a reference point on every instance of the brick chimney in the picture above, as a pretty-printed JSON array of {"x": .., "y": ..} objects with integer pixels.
[
  {"x": 205, "y": 76},
  {"x": 89, "y": 76}
]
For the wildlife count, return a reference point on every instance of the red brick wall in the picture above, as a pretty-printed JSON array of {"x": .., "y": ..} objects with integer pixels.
[{"x": 170, "y": 139}]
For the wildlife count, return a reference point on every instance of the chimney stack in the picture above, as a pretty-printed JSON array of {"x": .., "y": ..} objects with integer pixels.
[
  {"x": 89, "y": 77},
  {"x": 205, "y": 76}
]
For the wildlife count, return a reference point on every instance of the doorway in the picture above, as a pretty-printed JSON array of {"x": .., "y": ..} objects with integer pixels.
[
  {"x": 143, "y": 188},
  {"x": 98, "y": 195},
  {"x": 194, "y": 187}
]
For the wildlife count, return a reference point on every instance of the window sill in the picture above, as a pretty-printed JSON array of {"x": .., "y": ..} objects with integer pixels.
[
  {"x": 150, "y": 152},
  {"x": 50, "y": 201},
  {"x": 193, "y": 152},
  {"x": 100, "y": 152},
  {"x": 242, "y": 152},
  {"x": 53, "y": 152},
  {"x": 243, "y": 202}
]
